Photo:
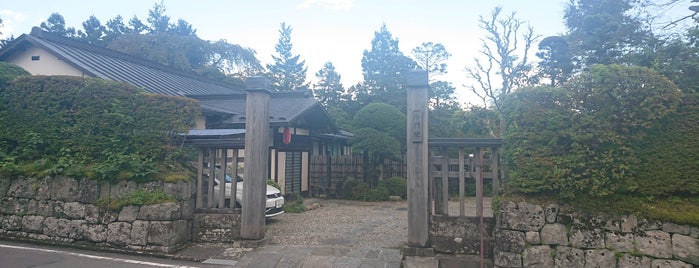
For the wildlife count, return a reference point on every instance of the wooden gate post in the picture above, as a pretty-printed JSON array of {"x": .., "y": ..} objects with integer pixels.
[
  {"x": 418, "y": 194},
  {"x": 256, "y": 159}
]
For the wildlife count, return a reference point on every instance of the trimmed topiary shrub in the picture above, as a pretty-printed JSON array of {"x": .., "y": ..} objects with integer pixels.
[{"x": 91, "y": 128}]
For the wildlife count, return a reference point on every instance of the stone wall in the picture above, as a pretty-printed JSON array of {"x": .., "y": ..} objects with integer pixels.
[
  {"x": 63, "y": 210},
  {"x": 528, "y": 235}
]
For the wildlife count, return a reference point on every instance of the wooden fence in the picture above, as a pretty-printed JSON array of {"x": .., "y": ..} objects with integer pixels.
[{"x": 329, "y": 173}]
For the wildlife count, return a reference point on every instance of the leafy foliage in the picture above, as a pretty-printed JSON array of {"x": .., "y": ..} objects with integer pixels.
[
  {"x": 596, "y": 136},
  {"x": 329, "y": 90},
  {"x": 91, "y": 127},
  {"x": 396, "y": 186}
]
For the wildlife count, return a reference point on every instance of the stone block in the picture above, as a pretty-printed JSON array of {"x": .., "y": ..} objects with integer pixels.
[
  {"x": 95, "y": 232},
  {"x": 599, "y": 258},
  {"x": 551, "y": 213},
  {"x": 694, "y": 231},
  {"x": 507, "y": 259},
  {"x": 56, "y": 227},
  {"x": 685, "y": 248},
  {"x": 620, "y": 242},
  {"x": 13, "y": 205},
  {"x": 76, "y": 229},
  {"x": 670, "y": 264},
  {"x": 64, "y": 189},
  {"x": 92, "y": 214},
  {"x": 160, "y": 212},
  {"x": 43, "y": 188},
  {"x": 10, "y": 222},
  {"x": 139, "y": 232},
  {"x": 532, "y": 238},
  {"x": 629, "y": 224},
  {"x": 180, "y": 190},
  {"x": 460, "y": 235},
  {"x": 649, "y": 225},
  {"x": 628, "y": 260},
  {"x": 554, "y": 234},
  {"x": 88, "y": 191},
  {"x": 187, "y": 207},
  {"x": 32, "y": 224},
  {"x": 584, "y": 238},
  {"x": 168, "y": 233},
  {"x": 509, "y": 241},
  {"x": 675, "y": 228},
  {"x": 119, "y": 233},
  {"x": 22, "y": 188},
  {"x": 74, "y": 210},
  {"x": 128, "y": 213},
  {"x": 107, "y": 216},
  {"x": 521, "y": 216},
  {"x": 569, "y": 257},
  {"x": 122, "y": 189},
  {"x": 40, "y": 207},
  {"x": 538, "y": 257},
  {"x": 656, "y": 244}
]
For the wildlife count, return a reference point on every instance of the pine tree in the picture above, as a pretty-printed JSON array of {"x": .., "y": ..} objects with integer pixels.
[
  {"x": 287, "y": 73},
  {"x": 329, "y": 90}
]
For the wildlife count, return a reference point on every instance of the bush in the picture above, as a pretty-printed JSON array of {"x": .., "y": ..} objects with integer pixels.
[
  {"x": 396, "y": 186},
  {"x": 596, "y": 135},
  {"x": 90, "y": 128},
  {"x": 362, "y": 191},
  {"x": 295, "y": 205}
]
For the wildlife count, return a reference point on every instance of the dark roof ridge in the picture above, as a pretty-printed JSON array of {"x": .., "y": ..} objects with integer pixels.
[
  {"x": 39, "y": 33},
  {"x": 275, "y": 94}
]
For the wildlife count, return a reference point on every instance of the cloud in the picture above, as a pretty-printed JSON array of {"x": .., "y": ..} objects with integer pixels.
[
  {"x": 327, "y": 4},
  {"x": 9, "y": 21}
]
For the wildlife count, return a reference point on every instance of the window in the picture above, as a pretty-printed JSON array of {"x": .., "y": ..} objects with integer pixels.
[{"x": 35, "y": 58}]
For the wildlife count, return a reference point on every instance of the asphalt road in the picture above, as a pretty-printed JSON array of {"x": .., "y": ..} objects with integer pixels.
[{"x": 20, "y": 255}]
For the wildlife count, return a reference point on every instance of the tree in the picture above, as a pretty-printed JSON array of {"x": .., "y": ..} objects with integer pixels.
[
  {"x": 383, "y": 67},
  {"x": 441, "y": 93},
  {"x": 502, "y": 64},
  {"x": 287, "y": 73},
  {"x": 605, "y": 32},
  {"x": 182, "y": 28},
  {"x": 57, "y": 24},
  {"x": 555, "y": 64},
  {"x": 114, "y": 28},
  {"x": 329, "y": 90},
  {"x": 159, "y": 22},
  {"x": 94, "y": 31},
  {"x": 431, "y": 57},
  {"x": 379, "y": 132},
  {"x": 137, "y": 26}
]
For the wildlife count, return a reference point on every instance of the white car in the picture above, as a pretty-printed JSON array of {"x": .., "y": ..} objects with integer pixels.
[{"x": 275, "y": 200}]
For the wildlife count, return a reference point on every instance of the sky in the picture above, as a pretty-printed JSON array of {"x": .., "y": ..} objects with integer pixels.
[{"x": 322, "y": 30}]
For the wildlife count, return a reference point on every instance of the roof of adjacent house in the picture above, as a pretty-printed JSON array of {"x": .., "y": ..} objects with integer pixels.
[
  {"x": 112, "y": 65},
  {"x": 296, "y": 108}
]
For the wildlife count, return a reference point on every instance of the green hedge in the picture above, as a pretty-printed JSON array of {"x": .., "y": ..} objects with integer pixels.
[
  {"x": 90, "y": 127},
  {"x": 604, "y": 133}
]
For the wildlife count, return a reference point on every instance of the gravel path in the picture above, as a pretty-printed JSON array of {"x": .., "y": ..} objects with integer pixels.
[
  {"x": 352, "y": 223},
  {"x": 343, "y": 223}
]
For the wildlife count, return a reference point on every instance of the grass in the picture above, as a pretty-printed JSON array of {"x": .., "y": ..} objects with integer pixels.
[{"x": 136, "y": 198}]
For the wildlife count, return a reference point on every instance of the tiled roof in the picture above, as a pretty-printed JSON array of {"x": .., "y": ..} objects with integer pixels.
[
  {"x": 285, "y": 108},
  {"x": 112, "y": 65}
]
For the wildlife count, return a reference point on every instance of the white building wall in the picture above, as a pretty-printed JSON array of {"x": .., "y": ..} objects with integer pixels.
[{"x": 47, "y": 64}]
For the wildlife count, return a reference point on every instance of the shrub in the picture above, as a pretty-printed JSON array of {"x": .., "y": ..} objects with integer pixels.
[
  {"x": 362, "y": 191},
  {"x": 595, "y": 136},
  {"x": 295, "y": 205},
  {"x": 396, "y": 186},
  {"x": 90, "y": 127}
]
